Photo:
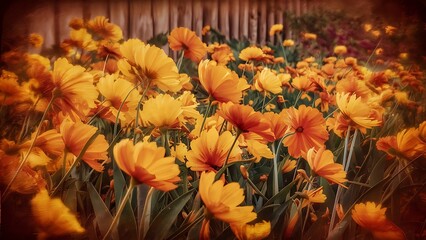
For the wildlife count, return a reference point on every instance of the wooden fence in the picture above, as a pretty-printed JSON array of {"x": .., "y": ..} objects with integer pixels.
[{"x": 146, "y": 18}]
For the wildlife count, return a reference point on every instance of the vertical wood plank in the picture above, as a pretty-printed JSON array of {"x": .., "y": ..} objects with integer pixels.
[
  {"x": 65, "y": 11},
  {"x": 185, "y": 14},
  {"x": 253, "y": 22},
  {"x": 244, "y": 21},
  {"x": 304, "y": 7},
  {"x": 271, "y": 18},
  {"x": 160, "y": 15},
  {"x": 140, "y": 21},
  {"x": 119, "y": 14},
  {"x": 234, "y": 19},
  {"x": 289, "y": 11},
  {"x": 224, "y": 12},
  {"x": 210, "y": 13},
  {"x": 262, "y": 22},
  {"x": 174, "y": 15},
  {"x": 298, "y": 7},
  {"x": 96, "y": 8},
  {"x": 197, "y": 16},
  {"x": 41, "y": 21}
]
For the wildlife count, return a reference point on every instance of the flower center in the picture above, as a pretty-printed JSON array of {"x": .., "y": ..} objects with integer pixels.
[{"x": 299, "y": 129}]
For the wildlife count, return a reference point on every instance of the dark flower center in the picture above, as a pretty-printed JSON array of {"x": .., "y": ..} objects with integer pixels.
[{"x": 299, "y": 129}]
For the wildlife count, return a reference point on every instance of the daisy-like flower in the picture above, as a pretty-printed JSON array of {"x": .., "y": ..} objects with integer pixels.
[
  {"x": 352, "y": 85},
  {"x": 149, "y": 66},
  {"x": 340, "y": 49},
  {"x": 73, "y": 91},
  {"x": 309, "y": 36},
  {"x": 81, "y": 39},
  {"x": 118, "y": 92},
  {"x": 221, "y": 202},
  {"x": 184, "y": 39},
  {"x": 10, "y": 91},
  {"x": 372, "y": 217},
  {"x": 76, "y": 135},
  {"x": 276, "y": 28},
  {"x": 167, "y": 117},
  {"x": 288, "y": 166},
  {"x": 255, "y": 231},
  {"x": 251, "y": 53},
  {"x": 314, "y": 196},
  {"x": 267, "y": 81},
  {"x": 278, "y": 127},
  {"x": 35, "y": 40},
  {"x": 52, "y": 217},
  {"x": 359, "y": 113},
  {"x": 221, "y": 84},
  {"x": 288, "y": 43},
  {"x": 209, "y": 151},
  {"x": 145, "y": 163},
  {"x": 405, "y": 144},
  {"x": 106, "y": 30},
  {"x": 245, "y": 119},
  {"x": 322, "y": 164},
  {"x": 308, "y": 126}
]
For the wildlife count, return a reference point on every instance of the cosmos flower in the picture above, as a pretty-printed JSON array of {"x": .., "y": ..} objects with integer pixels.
[
  {"x": 184, "y": 39},
  {"x": 52, "y": 217},
  {"x": 221, "y": 202},
  {"x": 309, "y": 129},
  {"x": 276, "y": 28},
  {"x": 340, "y": 49},
  {"x": 278, "y": 126},
  {"x": 221, "y": 84},
  {"x": 163, "y": 111},
  {"x": 106, "y": 30},
  {"x": 145, "y": 162},
  {"x": 322, "y": 164},
  {"x": 209, "y": 151},
  {"x": 251, "y": 53},
  {"x": 255, "y": 231},
  {"x": 288, "y": 43},
  {"x": 267, "y": 81}
]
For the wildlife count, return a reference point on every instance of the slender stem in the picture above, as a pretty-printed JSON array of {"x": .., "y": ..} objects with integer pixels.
[
  {"x": 137, "y": 112},
  {"x": 307, "y": 211},
  {"x": 256, "y": 189},
  {"x": 26, "y": 120},
  {"x": 297, "y": 98},
  {"x": 120, "y": 208},
  {"x": 119, "y": 109},
  {"x": 275, "y": 167},
  {"x": 351, "y": 150},
  {"x": 179, "y": 63},
  {"x": 263, "y": 102},
  {"x": 146, "y": 213},
  {"x": 232, "y": 146},
  {"x": 24, "y": 160},
  {"x": 205, "y": 116}
]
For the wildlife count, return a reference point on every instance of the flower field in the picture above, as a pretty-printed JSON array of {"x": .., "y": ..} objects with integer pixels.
[{"x": 300, "y": 138}]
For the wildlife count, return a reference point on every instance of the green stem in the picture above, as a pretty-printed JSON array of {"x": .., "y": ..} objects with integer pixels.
[
  {"x": 179, "y": 63},
  {"x": 205, "y": 116},
  {"x": 232, "y": 146},
  {"x": 263, "y": 102},
  {"x": 119, "y": 109},
  {"x": 120, "y": 208},
  {"x": 297, "y": 98},
  {"x": 24, "y": 160}
]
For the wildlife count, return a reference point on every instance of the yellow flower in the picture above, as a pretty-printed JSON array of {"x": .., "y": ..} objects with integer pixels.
[
  {"x": 309, "y": 36},
  {"x": 163, "y": 111},
  {"x": 145, "y": 162},
  {"x": 340, "y": 49},
  {"x": 106, "y": 30},
  {"x": 372, "y": 217},
  {"x": 10, "y": 91},
  {"x": 221, "y": 84},
  {"x": 149, "y": 66},
  {"x": 288, "y": 166},
  {"x": 314, "y": 196},
  {"x": 76, "y": 135},
  {"x": 390, "y": 30},
  {"x": 82, "y": 39},
  {"x": 209, "y": 151},
  {"x": 255, "y": 231},
  {"x": 367, "y": 27},
  {"x": 251, "y": 53},
  {"x": 288, "y": 43},
  {"x": 184, "y": 39},
  {"x": 221, "y": 202},
  {"x": 276, "y": 28},
  {"x": 256, "y": 146},
  {"x": 358, "y": 112},
  {"x": 322, "y": 163},
  {"x": 179, "y": 151},
  {"x": 267, "y": 81},
  {"x": 36, "y": 40},
  {"x": 53, "y": 218}
]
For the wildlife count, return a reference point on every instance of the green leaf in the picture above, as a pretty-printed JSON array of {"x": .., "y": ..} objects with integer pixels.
[
  {"x": 281, "y": 196},
  {"x": 163, "y": 221},
  {"x": 103, "y": 216}
]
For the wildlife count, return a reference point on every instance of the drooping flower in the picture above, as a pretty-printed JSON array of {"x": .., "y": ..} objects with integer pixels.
[
  {"x": 278, "y": 126},
  {"x": 251, "y": 53},
  {"x": 352, "y": 85},
  {"x": 256, "y": 146},
  {"x": 184, "y": 39},
  {"x": 267, "y": 81},
  {"x": 149, "y": 66},
  {"x": 35, "y": 40},
  {"x": 288, "y": 166},
  {"x": 53, "y": 218},
  {"x": 221, "y": 202},
  {"x": 106, "y": 30},
  {"x": 145, "y": 162},
  {"x": 308, "y": 126},
  {"x": 276, "y": 28},
  {"x": 314, "y": 196},
  {"x": 76, "y": 135},
  {"x": 245, "y": 119},
  {"x": 405, "y": 144},
  {"x": 163, "y": 111},
  {"x": 372, "y": 217},
  {"x": 73, "y": 91},
  {"x": 10, "y": 91},
  {"x": 221, "y": 84},
  {"x": 209, "y": 151},
  {"x": 255, "y": 231},
  {"x": 322, "y": 163}
]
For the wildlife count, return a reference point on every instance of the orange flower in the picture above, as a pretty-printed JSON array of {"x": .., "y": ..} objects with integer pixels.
[
  {"x": 309, "y": 129},
  {"x": 145, "y": 162},
  {"x": 149, "y": 66},
  {"x": 10, "y": 91},
  {"x": 53, "y": 218},
  {"x": 351, "y": 84},
  {"x": 267, "y": 81},
  {"x": 246, "y": 119},
  {"x": 36, "y": 40},
  {"x": 251, "y": 53},
  {"x": 322, "y": 163},
  {"x": 184, "y": 39},
  {"x": 406, "y": 144},
  {"x": 106, "y": 30},
  {"x": 373, "y": 218},
  {"x": 74, "y": 91},
  {"x": 340, "y": 49},
  {"x": 314, "y": 196},
  {"x": 359, "y": 113},
  {"x": 209, "y": 151},
  {"x": 167, "y": 117},
  {"x": 278, "y": 127},
  {"x": 288, "y": 43},
  {"x": 76, "y": 136},
  {"x": 288, "y": 166},
  {"x": 222, "y": 202},
  {"x": 255, "y": 231},
  {"x": 276, "y": 28},
  {"x": 221, "y": 84}
]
